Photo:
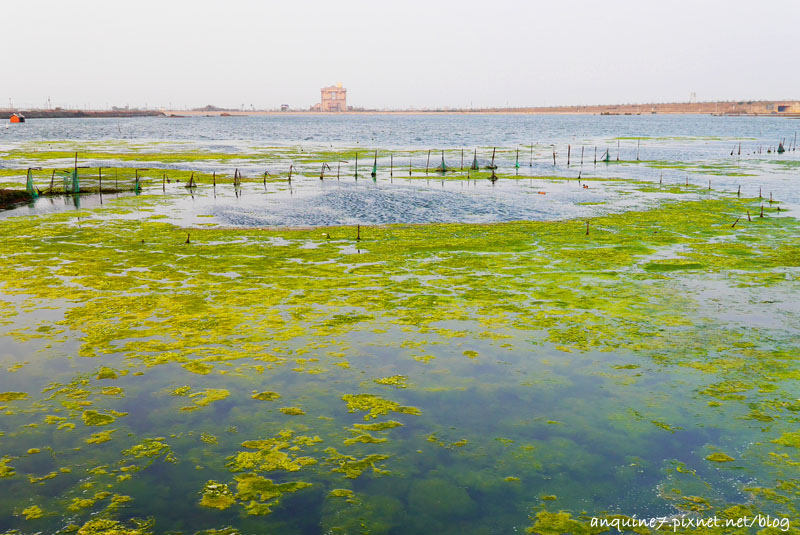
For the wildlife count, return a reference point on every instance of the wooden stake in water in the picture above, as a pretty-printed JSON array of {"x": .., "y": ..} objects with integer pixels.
[
  {"x": 516, "y": 161},
  {"x": 530, "y": 164},
  {"x": 569, "y": 153},
  {"x": 638, "y": 143},
  {"x": 358, "y": 235},
  {"x": 338, "y": 168},
  {"x": 374, "y": 173},
  {"x": 587, "y": 228},
  {"x": 462, "y": 160},
  {"x": 52, "y": 181},
  {"x": 474, "y": 165},
  {"x": 100, "y": 179},
  {"x": 356, "y": 166},
  {"x": 554, "y": 155},
  {"x": 595, "y": 154},
  {"x": 164, "y": 182},
  {"x": 428, "y": 162},
  {"x": 291, "y": 168},
  {"x": 582, "y": 155},
  {"x": 214, "y": 178},
  {"x": 391, "y": 165},
  {"x": 739, "y": 191},
  {"x": 617, "y": 150}
]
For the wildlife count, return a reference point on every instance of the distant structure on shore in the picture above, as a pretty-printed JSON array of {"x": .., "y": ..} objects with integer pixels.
[{"x": 332, "y": 99}]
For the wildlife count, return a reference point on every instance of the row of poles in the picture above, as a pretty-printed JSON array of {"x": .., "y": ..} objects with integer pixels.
[{"x": 72, "y": 183}]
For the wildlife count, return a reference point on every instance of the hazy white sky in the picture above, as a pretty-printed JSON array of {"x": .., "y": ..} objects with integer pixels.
[{"x": 395, "y": 54}]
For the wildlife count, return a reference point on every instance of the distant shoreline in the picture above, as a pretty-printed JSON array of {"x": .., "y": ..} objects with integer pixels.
[{"x": 772, "y": 108}]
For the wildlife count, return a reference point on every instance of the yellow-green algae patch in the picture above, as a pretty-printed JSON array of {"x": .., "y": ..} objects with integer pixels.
[
  {"x": 266, "y": 396},
  {"x": 719, "y": 457},
  {"x": 217, "y": 495},
  {"x": 92, "y": 417},
  {"x": 375, "y": 406},
  {"x": 32, "y": 512},
  {"x": 12, "y": 396},
  {"x": 398, "y": 381}
]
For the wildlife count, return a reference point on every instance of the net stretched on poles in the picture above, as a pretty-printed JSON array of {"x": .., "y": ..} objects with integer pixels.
[{"x": 71, "y": 181}]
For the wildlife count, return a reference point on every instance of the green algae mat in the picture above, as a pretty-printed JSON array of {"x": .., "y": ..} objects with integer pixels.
[{"x": 555, "y": 377}]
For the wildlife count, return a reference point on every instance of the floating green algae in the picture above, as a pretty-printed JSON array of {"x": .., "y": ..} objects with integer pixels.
[
  {"x": 569, "y": 329},
  {"x": 92, "y": 417},
  {"x": 719, "y": 457},
  {"x": 375, "y": 406},
  {"x": 266, "y": 396},
  {"x": 398, "y": 381},
  {"x": 217, "y": 495},
  {"x": 12, "y": 396}
]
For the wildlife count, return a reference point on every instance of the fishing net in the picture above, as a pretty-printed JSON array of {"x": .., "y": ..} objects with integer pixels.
[
  {"x": 29, "y": 185},
  {"x": 71, "y": 182}
]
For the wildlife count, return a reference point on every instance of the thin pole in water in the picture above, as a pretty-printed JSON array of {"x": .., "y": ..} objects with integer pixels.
[
  {"x": 100, "y": 178},
  {"x": 356, "y": 166},
  {"x": 618, "y": 150},
  {"x": 595, "y": 154},
  {"x": 569, "y": 153},
  {"x": 428, "y": 162},
  {"x": 638, "y": 143},
  {"x": 462, "y": 160},
  {"x": 531, "y": 162},
  {"x": 391, "y": 165}
]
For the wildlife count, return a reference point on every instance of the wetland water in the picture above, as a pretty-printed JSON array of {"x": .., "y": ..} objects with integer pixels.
[{"x": 474, "y": 363}]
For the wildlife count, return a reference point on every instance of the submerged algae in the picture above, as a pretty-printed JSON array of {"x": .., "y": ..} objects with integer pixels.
[{"x": 530, "y": 285}]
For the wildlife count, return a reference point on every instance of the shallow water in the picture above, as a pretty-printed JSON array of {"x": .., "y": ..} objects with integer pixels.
[{"x": 534, "y": 368}]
